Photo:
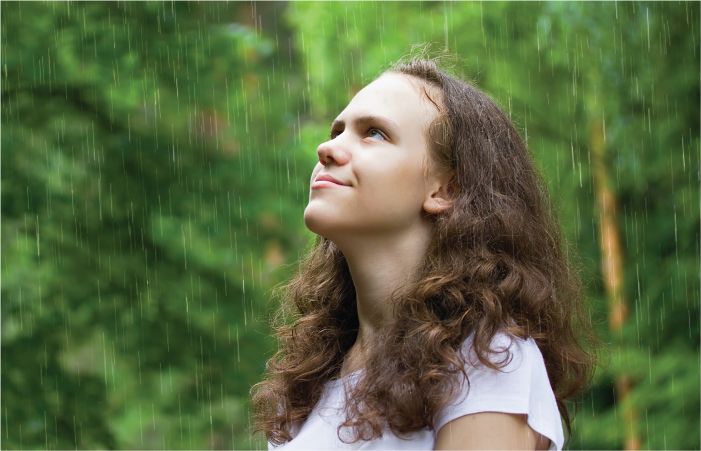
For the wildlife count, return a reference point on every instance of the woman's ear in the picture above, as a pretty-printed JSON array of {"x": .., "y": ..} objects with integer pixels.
[{"x": 440, "y": 195}]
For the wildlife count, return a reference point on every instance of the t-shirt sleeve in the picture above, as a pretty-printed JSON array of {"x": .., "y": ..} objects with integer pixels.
[{"x": 521, "y": 386}]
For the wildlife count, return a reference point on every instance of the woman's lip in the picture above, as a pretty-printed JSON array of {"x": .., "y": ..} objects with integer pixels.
[{"x": 324, "y": 184}]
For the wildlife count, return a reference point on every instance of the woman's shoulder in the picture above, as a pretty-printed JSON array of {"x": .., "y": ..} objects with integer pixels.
[
  {"x": 519, "y": 380},
  {"x": 520, "y": 385}
]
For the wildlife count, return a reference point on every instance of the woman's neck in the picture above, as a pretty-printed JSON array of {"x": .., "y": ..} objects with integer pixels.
[{"x": 378, "y": 267}]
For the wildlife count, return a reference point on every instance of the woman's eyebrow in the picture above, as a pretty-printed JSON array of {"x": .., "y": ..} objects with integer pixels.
[{"x": 368, "y": 119}]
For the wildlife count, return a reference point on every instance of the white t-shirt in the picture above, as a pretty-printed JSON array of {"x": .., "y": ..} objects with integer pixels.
[{"x": 522, "y": 387}]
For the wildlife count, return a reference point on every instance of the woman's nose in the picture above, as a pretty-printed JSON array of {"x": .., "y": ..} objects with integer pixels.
[{"x": 332, "y": 151}]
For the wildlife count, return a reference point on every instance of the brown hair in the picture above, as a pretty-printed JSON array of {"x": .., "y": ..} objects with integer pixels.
[{"x": 497, "y": 262}]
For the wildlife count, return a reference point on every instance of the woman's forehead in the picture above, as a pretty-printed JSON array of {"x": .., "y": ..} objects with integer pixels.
[{"x": 395, "y": 96}]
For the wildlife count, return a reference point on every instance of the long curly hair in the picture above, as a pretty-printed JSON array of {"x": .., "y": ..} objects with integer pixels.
[{"x": 497, "y": 262}]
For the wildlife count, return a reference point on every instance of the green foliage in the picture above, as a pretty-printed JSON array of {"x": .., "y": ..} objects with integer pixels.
[
  {"x": 141, "y": 228},
  {"x": 155, "y": 164}
]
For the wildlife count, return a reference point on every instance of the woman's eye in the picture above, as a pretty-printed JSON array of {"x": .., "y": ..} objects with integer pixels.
[{"x": 373, "y": 132}]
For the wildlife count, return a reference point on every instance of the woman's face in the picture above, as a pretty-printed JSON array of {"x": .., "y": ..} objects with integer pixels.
[{"x": 377, "y": 149}]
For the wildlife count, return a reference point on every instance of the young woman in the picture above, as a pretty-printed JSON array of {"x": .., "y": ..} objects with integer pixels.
[{"x": 437, "y": 309}]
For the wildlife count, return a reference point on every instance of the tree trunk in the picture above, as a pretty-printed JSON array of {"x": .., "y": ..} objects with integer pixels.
[{"x": 611, "y": 252}]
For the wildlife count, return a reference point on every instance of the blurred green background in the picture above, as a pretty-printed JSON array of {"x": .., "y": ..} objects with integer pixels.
[{"x": 155, "y": 166}]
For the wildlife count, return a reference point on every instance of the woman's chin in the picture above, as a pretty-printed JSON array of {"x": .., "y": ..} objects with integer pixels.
[
  {"x": 314, "y": 221},
  {"x": 321, "y": 223}
]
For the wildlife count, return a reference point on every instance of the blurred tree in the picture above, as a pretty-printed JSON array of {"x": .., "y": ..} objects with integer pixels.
[{"x": 147, "y": 204}]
